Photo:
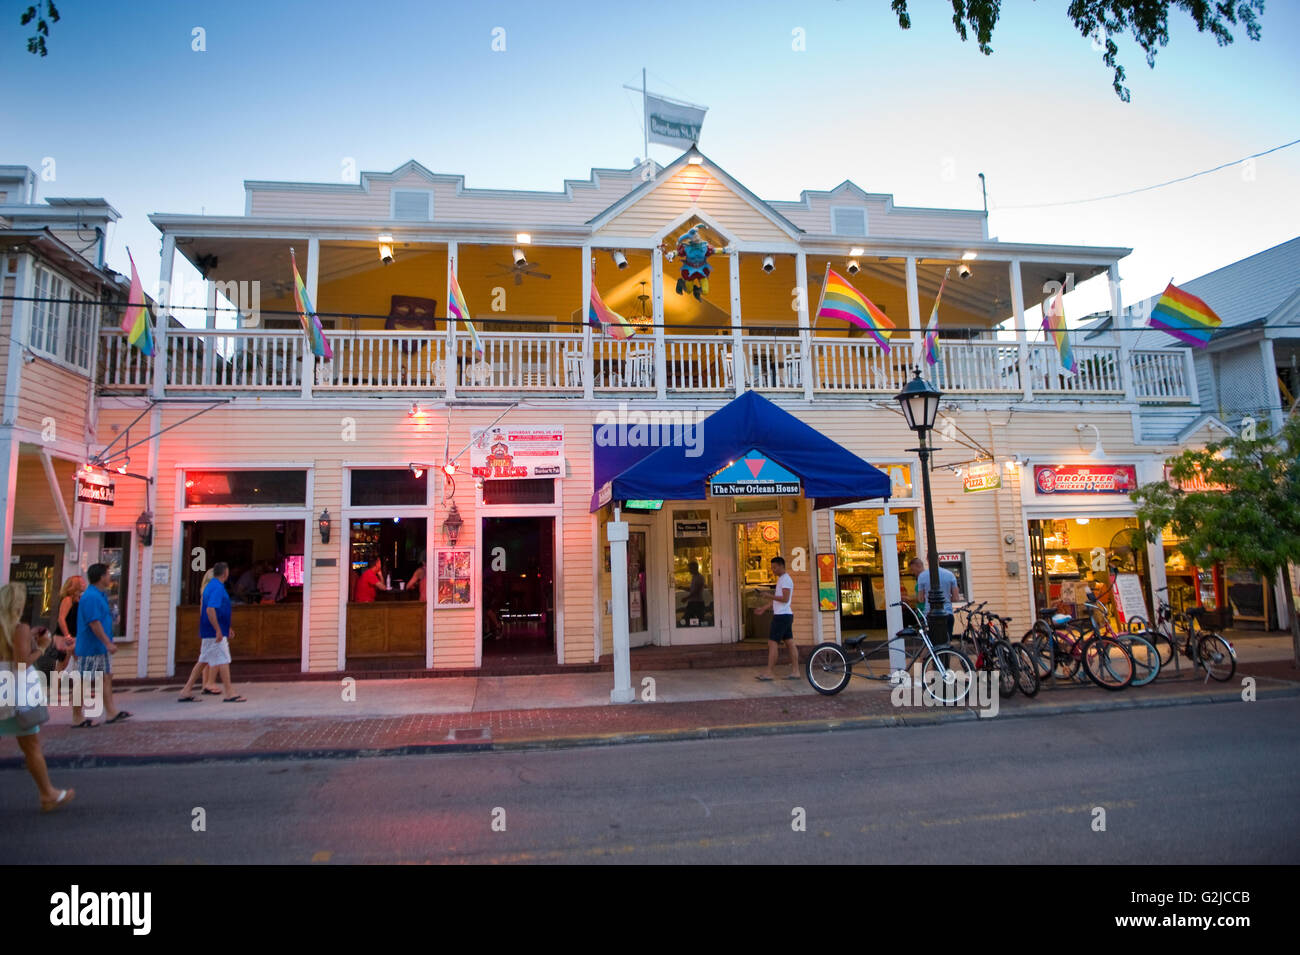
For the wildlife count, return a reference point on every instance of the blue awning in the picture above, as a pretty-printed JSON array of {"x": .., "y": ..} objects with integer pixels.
[{"x": 631, "y": 466}]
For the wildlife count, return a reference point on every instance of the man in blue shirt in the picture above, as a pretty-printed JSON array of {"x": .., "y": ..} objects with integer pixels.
[
  {"x": 214, "y": 636},
  {"x": 948, "y": 590},
  {"x": 95, "y": 646}
]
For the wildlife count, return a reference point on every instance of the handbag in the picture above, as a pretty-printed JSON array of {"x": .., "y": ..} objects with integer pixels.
[{"x": 31, "y": 708}]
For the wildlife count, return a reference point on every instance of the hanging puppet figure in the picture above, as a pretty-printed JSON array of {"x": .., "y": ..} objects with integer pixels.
[{"x": 694, "y": 251}]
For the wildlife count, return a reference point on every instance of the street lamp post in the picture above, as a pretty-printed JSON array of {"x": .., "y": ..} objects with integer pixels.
[{"x": 919, "y": 401}]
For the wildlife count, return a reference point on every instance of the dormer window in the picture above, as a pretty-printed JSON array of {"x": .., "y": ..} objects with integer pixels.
[
  {"x": 848, "y": 220},
  {"x": 413, "y": 205}
]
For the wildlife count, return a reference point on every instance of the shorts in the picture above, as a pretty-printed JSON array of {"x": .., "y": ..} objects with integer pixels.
[
  {"x": 782, "y": 627},
  {"x": 96, "y": 663},
  {"x": 10, "y": 727},
  {"x": 215, "y": 653}
]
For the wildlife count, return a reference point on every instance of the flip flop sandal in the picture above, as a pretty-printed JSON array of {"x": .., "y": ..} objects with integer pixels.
[
  {"x": 763, "y": 679},
  {"x": 211, "y": 692},
  {"x": 794, "y": 676},
  {"x": 85, "y": 725},
  {"x": 65, "y": 796},
  {"x": 234, "y": 699},
  {"x": 187, "y": 699},
  {"x": 121, "y": 715}
]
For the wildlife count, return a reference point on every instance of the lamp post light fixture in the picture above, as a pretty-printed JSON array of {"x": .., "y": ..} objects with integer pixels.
[
  {"x": 451, "y": 525},
  {"x": 144, "y": 528},
  {"x": 919, "y": 401},
  {"x": 324, "y": 525}
]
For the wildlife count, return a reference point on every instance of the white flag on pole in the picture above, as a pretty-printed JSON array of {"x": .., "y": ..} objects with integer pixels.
[{"x": 673, "y": 123}]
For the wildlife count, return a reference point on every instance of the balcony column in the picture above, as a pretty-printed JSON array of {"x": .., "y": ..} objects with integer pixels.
[
  {"x": 657, "y": 292},
  {"x": 887, "y": 528},
  {"x": 807, "y": 359},
  {"x": 588, "y": 371},
  {"x": 1269, "y": 360},
  {"x": 312, "y": 281},
  {"x": 164, "y": 313},
  {"x": 914, "y": 332},
  {"x": 737, "y": 338},
  {"x": 210, "y": 322},
  {"x": 449, "y": 360},
  {"x": 1022, "y": 333},
  {"x": 1120, "y": 325}
]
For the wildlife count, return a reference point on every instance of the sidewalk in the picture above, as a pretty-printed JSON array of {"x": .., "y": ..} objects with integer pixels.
[{"x": 312, "y": 719}]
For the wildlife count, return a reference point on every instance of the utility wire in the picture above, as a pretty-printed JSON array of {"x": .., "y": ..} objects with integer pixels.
[{"x": 1159, "y": 185}]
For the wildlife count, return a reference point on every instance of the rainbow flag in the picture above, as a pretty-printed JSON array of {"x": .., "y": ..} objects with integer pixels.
[
  {"x": 307, "y": 315},
  {"x": 1054, "y": 325},
  {"x": 136, "y": 321},
  {"x": 601, "y": 316},
  {"x": 841, "y": 300},
  {"x": 458, "y": 310},
  {"x": 932, "y": 326},
  {"x": 1184, "y": 316}
]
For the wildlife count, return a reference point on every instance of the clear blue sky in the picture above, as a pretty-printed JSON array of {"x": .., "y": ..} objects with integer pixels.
[{"x": 289, "y": 90}]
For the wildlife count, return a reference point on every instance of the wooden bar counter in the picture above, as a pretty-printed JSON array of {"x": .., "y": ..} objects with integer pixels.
[
  {"x": 262, "y": 632},
  {"x": 387, "y": 628}
]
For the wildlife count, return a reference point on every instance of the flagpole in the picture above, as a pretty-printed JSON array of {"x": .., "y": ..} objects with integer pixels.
[
  {"x": 645, "y": 117},
  {"x": 822, "y": 297}
]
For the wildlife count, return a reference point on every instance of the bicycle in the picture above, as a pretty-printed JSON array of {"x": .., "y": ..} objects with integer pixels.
[
  {"x": 1055, "y": 647},
  {"x": 1026, "y": 673},
  {"x": 1146, "y": 658},
  {"x": 1213, "y": 651},
  {"x": 946, "y": 673},
  {"x": 987, "y": 645}
]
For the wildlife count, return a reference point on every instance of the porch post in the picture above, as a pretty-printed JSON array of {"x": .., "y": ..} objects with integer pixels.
[
  {"x": 839, "y": 615},
  {"x": 588, "y": 367},
  {"x": 913, "y": 308},
  {"x": 617, "y": 534},
  {"x": 210, "y": 322},
  {"x": 9, "y": 448},
  {"x": 887, "y": 527},
  {"x": 312, "y": 282},
  {"x": 1022, "y": 333},
  {"x": 737, "y": 339},
  {"x": 1269, "y": 360},
  {"x": 657, "y": 291},
  {"x": 807, "y": 360},
  {"x": 164, "y": 314},
  {"x": 449, "y": 360},
  {"x": 1118, "y": 323}
]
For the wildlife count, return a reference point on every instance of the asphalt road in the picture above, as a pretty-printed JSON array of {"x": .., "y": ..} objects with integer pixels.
[{"x": 1185, "y": 784}]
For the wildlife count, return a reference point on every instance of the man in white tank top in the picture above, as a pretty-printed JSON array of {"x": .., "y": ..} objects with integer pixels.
[{"x": 782, "y": 631}]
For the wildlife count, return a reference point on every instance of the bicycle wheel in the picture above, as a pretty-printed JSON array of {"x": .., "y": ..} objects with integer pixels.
[
  {"x": 1217, "y": 656},
  {"x": 1164, "y": 646},
  {"x": 1137, "y": 624},
  {"x": 1008, "y": 667},
  {"x": 1107, "y": 663},
  {"x": 1054, "y": 657},
  {"x": 1026, "y": 671},
  {"x": 828, "y": 669},
  {"x": 1146, "y": 658},
  {"x": 1042, "y": 663},
  {"x": 951, "y": 685}
]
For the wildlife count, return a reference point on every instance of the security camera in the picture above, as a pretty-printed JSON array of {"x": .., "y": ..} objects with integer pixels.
[
  {"x": 964, "y": 271},
  {"x": 520, "y": 261},
  {"x": 386, "y": 249},
  {"x": 769, "y": 265},
  {"x": 619, "y": 259},
  {"x": 853, "y": 267}
]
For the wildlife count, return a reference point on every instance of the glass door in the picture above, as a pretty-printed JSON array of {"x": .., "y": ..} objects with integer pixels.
[
  {"x": 694, "y": 577},
  {"x": 638, "y": 608},
  {"x": 757, "y": 542}
]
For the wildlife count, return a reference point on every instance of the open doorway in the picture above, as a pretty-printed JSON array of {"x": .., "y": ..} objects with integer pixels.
[{"x": 519, "y": 587}]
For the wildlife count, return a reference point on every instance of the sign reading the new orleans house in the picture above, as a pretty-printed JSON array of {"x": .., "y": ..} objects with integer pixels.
[{"x": 754, "y": 474}]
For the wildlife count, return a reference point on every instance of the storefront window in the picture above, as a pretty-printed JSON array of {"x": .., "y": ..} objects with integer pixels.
[
  {"x": 389, "y": 487},
  {"x": 246, "y": 488},
  {"x": 519, "y": 491},
  {"x": 1078, "y": 554},
  {"x": 693, "y": 568},
  {"x": 861, "y": 564},
  {"x": 397, "y": 546},
  {"x": 757, "y": 542}
]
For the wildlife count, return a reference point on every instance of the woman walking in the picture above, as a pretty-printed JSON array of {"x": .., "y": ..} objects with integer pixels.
[{"x": 16, "y": 648}]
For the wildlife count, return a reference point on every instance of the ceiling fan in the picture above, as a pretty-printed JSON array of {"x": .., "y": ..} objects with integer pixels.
[{"x": 529, "y": 269}]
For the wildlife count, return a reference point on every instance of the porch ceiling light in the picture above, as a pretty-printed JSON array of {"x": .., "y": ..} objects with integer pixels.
[
  {"x": 695, "y": 160},
  {"x": 967, "y": 256},
  {"x": 386, "y": 249},
  {"x": 857, "y": 250},
  {"x": 523, "y": 238}
]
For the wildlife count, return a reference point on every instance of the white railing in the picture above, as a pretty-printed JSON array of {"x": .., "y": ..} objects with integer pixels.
[
  {"x": 383, "y": 361},
  {"x": 1161, "y": 376},
  {"x": 121, "y": 367},
  {"x": 773, "y": 364},
  {"x": 851, "y": 365},
  {"x": 703, "y": 363},
  {"x": 517, "y": 363},
  {"x": 225, "y": 360},
  {"x": 977, "y": 367},
  {"x": 555, "y": 363},
  {"x": 1097, "y": 370}
]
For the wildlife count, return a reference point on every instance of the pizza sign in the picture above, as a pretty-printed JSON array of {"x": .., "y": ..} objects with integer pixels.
[{"x": 1085, "y": 478}]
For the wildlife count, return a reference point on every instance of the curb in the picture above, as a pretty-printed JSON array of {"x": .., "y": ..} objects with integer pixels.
[{"x": 728, "y": 731}]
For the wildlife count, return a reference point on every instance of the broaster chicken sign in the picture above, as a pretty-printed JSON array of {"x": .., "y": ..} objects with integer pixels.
[{"x": 1085, "y": 478}]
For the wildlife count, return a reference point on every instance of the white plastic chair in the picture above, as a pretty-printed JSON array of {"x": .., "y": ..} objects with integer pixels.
[{"x": 574, "y": 363}]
